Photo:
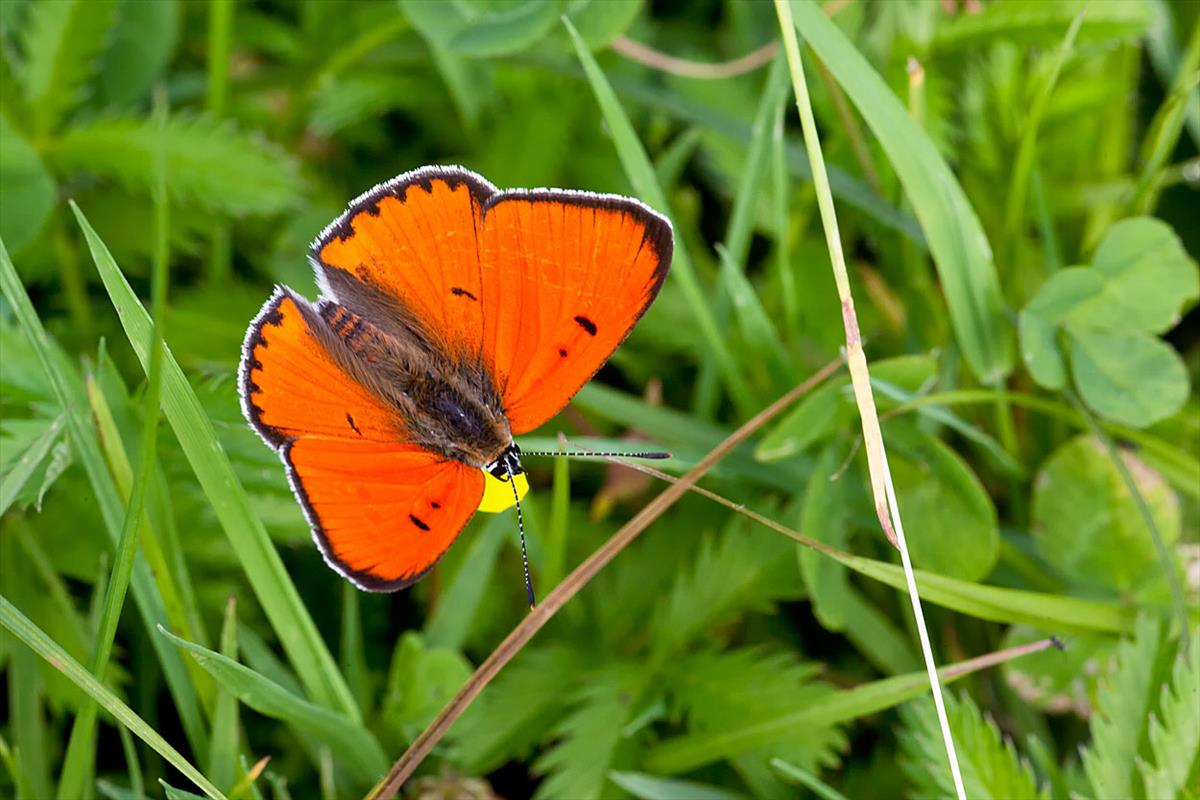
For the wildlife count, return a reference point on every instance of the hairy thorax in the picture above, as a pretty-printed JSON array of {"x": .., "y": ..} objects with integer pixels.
[{"x": 444, "y": 402}]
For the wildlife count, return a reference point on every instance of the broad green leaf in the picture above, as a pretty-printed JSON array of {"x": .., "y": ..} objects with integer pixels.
[
  {"x": 1058, "y": 681},
  {"x": 20, "y": 626},
  {"x": 1122, "y": 713},
  {"x": 27, "y": 192},
  {"x": 825, "y": 516},
  {"x": 143, "y": 41},
  {"x": 652, "y": 787},
  {"x": 194, "y": 430},
  {"x": 950, "y": 521},
  {"x": 210, "y": 164},
  {"x": 1128, "y": 377},
  {"x": 1064, "y": 292},
  {"x": 601, "y": 21},
  {"x": 989, "y": 764},
  {"x": 421, "y": 679},
  {"x": 353, "y": 743},
  {"x": 62, "y": 40},
  {"x": 1088, "y": 526},
  {"x": 1147, "y": 275},
  {"x": 1040, "y": 350},
  {"x": 955, "y": 236},
  {"x": 480, "y": 30},
  {"x": 831, "y": 407},
  {"x": 1041, "y": 22}
]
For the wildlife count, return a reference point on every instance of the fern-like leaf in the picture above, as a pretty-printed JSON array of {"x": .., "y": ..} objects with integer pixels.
[
  {"x": 577, "y": 766},
  {"x": 717, "y": 691},
  {"x": 990, "y": 767},
  {"x": 208, "y": 163},
  {"x": 1175, "y": 730},
  {"x": 1122, "y": 707},
  {"x": 742, "y": 570},
  {"x": 519, "y": 708},
  {"x": 62, "y": 41}
]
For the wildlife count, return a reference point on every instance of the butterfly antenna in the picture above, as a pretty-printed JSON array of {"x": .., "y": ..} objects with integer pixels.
[
  {"x": 593, "y": 454},
  {"x": 521, "y": 529}
]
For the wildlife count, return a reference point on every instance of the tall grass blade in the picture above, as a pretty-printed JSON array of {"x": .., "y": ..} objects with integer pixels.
[
  {"x": 955, "y": 236},
  {"x": 37, "y": 640},
  {"x": 264, "y": 569}
]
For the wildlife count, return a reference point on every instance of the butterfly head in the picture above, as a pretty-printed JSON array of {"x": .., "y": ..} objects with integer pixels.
[{"x": 508, "y": 464}]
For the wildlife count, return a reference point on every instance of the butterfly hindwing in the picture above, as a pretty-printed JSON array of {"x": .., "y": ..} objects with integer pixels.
[{"x": 382, "y": 511}]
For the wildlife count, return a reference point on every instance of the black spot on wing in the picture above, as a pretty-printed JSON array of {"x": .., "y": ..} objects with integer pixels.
[
  {"x": 435, "y": 504},
  {"x": 350, "y": 419},
  {"x": 458, "y": 291},
  {"x": 586, "y": 324},
  {"x": 562, "y": 352},
  {"x": 420, "y": 523}
]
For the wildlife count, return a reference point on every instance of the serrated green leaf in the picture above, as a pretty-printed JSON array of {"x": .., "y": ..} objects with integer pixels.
[
  {"x": 20, "y": 469},
  {"x": 1128, "y": 377},
  {"x": 588, "y": 737},
  {"x": 1087, "y": 525},
  {"x": 1122, "y": 711},
  {"x": 62, "y": 41},
  {"x": 989, "y": 765},
  {"x": 211, "y": 164},
  {"x": 27, "y": 192},
  {"x": 1175, "y": 729}
]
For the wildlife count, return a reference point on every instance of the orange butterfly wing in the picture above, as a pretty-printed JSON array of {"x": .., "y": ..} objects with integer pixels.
[
  {"x": 382, "y": 511},
  {"x": 541, "y": 285},
  {"x": 566, "y": 277}
]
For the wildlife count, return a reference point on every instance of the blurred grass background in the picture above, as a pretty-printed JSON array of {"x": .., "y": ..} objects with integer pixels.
[{"x": 1016, "y": 188}]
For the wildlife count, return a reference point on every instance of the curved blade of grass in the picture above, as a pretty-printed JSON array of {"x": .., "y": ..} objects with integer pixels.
[
  {"x": 69, "y": 393},
  {"x": 78, "y": 764},
  {"x": 641, "y": 175},
  {"x": 223, "y": 746},
  {"x": 264, "y": 569},
  {"x": 347, "y": 737},
  {"x": 690, "y": 751},
  {"x": 37, "y": 640},
  {"x": 807, "y": 780},
  {"x": 956, "y": 239}
]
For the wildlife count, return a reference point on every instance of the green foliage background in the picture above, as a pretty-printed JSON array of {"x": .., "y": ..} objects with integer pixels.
[{"x": 1016, "y": 189}]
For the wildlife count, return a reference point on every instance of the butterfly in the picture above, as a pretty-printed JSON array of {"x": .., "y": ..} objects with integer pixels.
[{"x": 452, "y": 316}]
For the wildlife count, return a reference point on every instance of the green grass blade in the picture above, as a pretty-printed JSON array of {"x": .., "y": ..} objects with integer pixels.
[
  {"x": 1014, "y": 606},
  {"x": 640, "y": 173},
  {"x": 1025, "y": 160},
  {"x": 81, "y": 746},
  {"x": 458, "y": 606},
  {"x": 37, "y": 640},
  {"x": 69, "y": 393},
  {"x": 955, "y": 236},
  {"x": 223, "y": 747},
  {"x": 264, "y": 569},
  {"x": 807, "y": 780},
  {"x": 347, "y": 737}
]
